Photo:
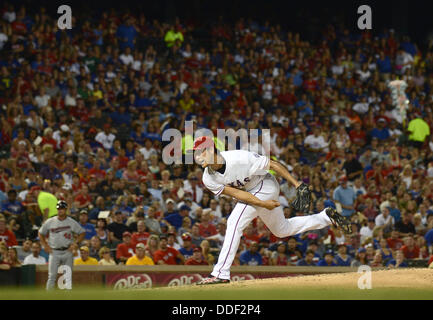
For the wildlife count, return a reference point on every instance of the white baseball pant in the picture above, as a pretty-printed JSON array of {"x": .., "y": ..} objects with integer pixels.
[{"x": 275, "y": 220}]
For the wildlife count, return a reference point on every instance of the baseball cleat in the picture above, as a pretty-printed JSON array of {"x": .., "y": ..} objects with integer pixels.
[
  {"x": 339, "y": 221},
  {"x": 212, "y": 280}
]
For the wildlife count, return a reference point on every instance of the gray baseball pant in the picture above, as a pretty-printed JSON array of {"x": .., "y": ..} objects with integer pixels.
[{"x": 56, "y": 259}]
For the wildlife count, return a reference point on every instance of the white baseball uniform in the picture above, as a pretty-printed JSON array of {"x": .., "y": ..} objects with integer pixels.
[{"x": 249, "y": 171}]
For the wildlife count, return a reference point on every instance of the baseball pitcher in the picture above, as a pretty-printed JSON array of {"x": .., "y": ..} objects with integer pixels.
[
  {"x": 57, "y": 236},
  {"x": 244, "y": 175}
]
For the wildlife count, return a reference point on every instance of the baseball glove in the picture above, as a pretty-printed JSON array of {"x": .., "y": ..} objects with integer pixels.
[{"x": 303, "y": 198}]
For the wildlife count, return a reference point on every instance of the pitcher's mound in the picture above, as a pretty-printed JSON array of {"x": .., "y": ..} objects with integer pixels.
[{"x": 399, "y": 278}]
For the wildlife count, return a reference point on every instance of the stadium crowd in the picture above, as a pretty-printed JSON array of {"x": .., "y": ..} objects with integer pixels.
[{"x": 83, "y": 112}]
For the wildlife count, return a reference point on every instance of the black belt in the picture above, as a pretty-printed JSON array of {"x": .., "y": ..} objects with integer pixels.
[{"x": 61, "y": 249}]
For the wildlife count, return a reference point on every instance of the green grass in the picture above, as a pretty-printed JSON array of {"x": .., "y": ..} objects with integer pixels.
[{"x": 317, "y": 293}]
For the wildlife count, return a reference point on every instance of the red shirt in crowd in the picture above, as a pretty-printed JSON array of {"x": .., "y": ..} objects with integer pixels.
[
  {"x": 250, "y": 238},
  {"x": 208, "y": 231},
  {"x": 98, "y": 173},
  {"x": 410, "y": 254},
  {"x": 192, "y": 262},
  {"x": 125, "y": 250},
  {"x": 394, "y": 244},
  {"x": 9, "y": 237},
  {"x": 51, "y": 141},
  {"x": 358, "y": 138},
  {"x": 168, "y": 256},
  {"x": 82, "y": 199},
  {"x": 282, "y": 261},
  {"x": 140, "y": 237}
]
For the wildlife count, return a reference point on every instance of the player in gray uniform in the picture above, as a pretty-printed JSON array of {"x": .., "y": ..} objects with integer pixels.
[{"x": 57, "y": 236}]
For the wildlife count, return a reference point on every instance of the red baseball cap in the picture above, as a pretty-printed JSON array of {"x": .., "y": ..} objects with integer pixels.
[
  {"x": 35, "y": 188},
  {"x": 203, "y": 143},
  {"x": 343, "y": 179},
  {"x": 126, "y": 234},
  {"x": 186, "y": 237}
]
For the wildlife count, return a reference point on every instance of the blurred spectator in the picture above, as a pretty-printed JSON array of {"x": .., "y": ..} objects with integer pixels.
[
  {"x": 24, "y": 250},
  {"x": 138, "y": 216},
  {"x": 293, "y": 251},
  {"x": 196, "y": 238},
  {"x": 176, "y": 218},
  {"x": 343, "y": 259},
  {"x": 385, "y": 220},
  {"x": 166, "y": 254},
  {"x": 105, "y": 258},
  {"x": 101, "y": 232},
  {"x": 280, "y": 257},
  {"x": 249, "y": 235},
  {"x": 125, "y": 250},
  {"x": 6, "y": 235},
  {"x": 405, "y": 227},
  {"x": 328, "y": 260},
  {"x": 345, "y": 195},
  {"x": 173, "y": 37},
  {"x": 152, "y": 224},
  {"x": 12, "y": 258},
  {"x": 117, "y": 228},
  {"x": 308, "y": 260},
  {"x": 377, "y": 260},
  {"x": 360, "y": 258},
  {"x": 4, "y": 262},
  {"x": 315, "y": 144},
  {"x": 208, "y": 252},
  {"x": 196, "y": 259},
  {"x": 11, "y": 206},
  {"x": 85, "y": 258},
  {"x": 140, "y": 258},
  {"x": 47, "y": 202},
  {"x": 186, "y": 250},
  {"x": 398, "y": 261},
  {"x": 95, "y": 247},
  {"x": 217, "y": 240},
  {"x": 410, "y": 249},
  {"x": 385, "y": 251},
  {"x": 141, "y": 235},
  {"x": 419, "y": 130},
  {"x": 394, "y": 242},
  {"x": 352, "y": 166},
  {"x": 88, "y": 227},
  {"x": 152, "y": 245},
  {"x": 251, "y": 256},
  {"x": 367, "y": 230},
  {"x": 172, "y": 241},
  {"x": 393, "y": 209},
  {"x": 35, "y": 257},
  {"x": 429, "y": 237}
]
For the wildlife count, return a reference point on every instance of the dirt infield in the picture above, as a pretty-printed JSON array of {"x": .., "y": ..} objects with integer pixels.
[
  {"x": 401, "y": 278},
  {"x": 385, "y": 285}
]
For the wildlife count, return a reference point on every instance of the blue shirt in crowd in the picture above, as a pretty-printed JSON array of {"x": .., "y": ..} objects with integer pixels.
[
  {"x": 250, "y": 259},
  {"x": 345, "y": 196}
]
